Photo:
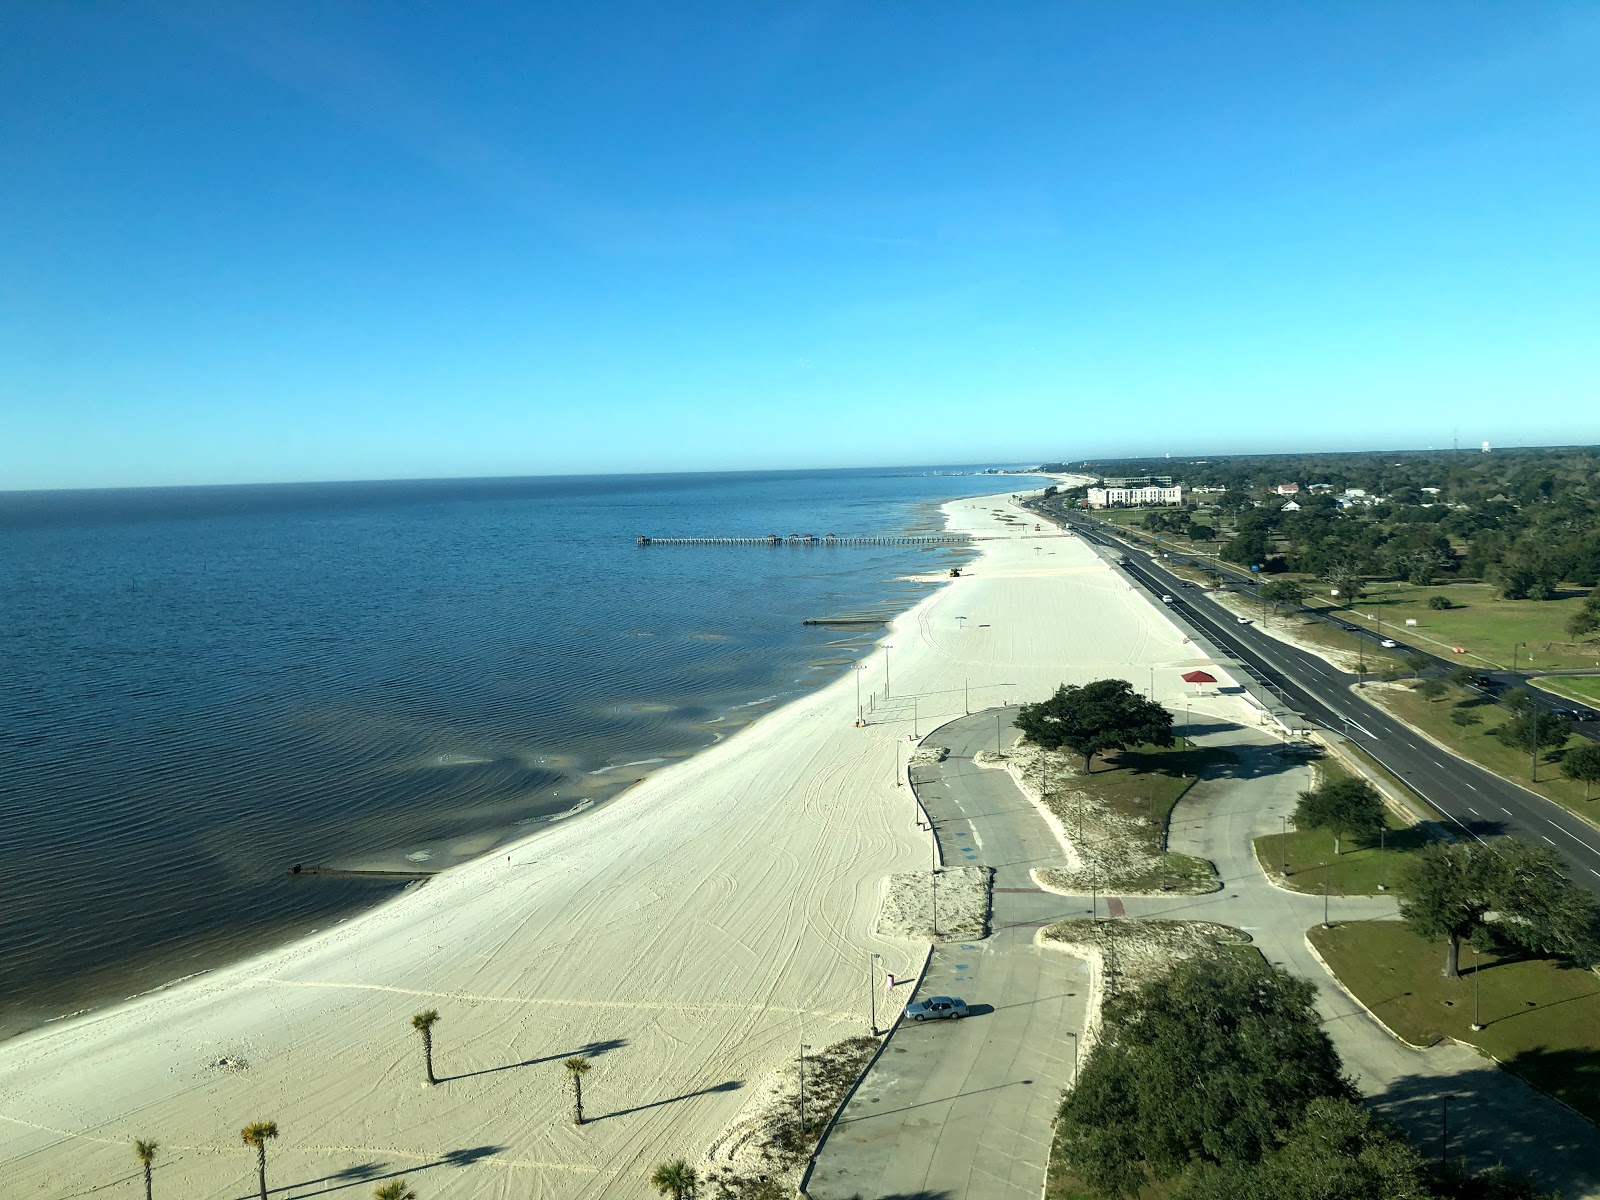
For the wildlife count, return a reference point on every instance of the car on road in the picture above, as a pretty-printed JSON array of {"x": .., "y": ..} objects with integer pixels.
[
  {"x": 937, "y": 1008},
  {"x": 1166, "y": 599},
  {"x": 1487, "y": 683},
  {"x": 1243, "y": 620},
  {"x": 1389, "y": 644}
]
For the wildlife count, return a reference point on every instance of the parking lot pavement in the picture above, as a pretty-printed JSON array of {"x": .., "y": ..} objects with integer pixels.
[{"x": 958, "y": 1109}]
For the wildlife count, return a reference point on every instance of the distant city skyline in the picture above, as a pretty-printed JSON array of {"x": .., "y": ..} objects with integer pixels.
[{"x": 298, "y": 242}]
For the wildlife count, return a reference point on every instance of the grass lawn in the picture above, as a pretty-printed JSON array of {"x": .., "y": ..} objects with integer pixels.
[
  {"x": 1485, "y": 626},
  {"x": 1140, "y": 788},
  {"x": 1476, "y": 743},
  {"x": 1541, "y": 1018},
  {"x": 1583, "y": 688},
  {"x": 1356, "y": 872}
]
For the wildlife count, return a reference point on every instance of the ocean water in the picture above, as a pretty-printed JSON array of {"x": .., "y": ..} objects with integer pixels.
[{"x": 203, "y": 687}]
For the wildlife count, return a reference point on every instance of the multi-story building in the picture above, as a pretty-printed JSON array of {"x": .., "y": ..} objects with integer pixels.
[{"x": 1134, "y": 497}]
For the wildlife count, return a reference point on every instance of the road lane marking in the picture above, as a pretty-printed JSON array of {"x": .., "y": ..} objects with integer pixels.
[
  {"x": 1469, "y": 785},
  {"x": 1505, "y": 810},
  {"x": 1576, "y": 838},
  {"x": 1546, "y": 836}
]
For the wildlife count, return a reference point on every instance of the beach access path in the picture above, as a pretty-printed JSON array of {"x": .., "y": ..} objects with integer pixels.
[
  {"x": 689, "y": 936},
  {"x": 963, "y": 1110}
]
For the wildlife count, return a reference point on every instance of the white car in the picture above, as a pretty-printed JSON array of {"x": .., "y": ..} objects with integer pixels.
[
  {"x": 1244, "y": 620},
  {"x": 1387, "y": 643},
  {"x": 1166, "y": 599}
]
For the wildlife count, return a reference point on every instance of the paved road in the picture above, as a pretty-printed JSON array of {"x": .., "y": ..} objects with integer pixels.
[
  {"x": 1480, "y": 803},
  {"x": 958, "y": 1110},
  {"x": 946, "y": 1113},
  {"x": 1244, "y": 583}
]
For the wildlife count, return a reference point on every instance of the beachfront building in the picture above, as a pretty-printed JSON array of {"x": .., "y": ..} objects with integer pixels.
[{"x": 1134, "y": 497}]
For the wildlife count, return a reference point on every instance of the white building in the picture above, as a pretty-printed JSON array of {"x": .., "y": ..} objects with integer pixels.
[{"x": 1134, "y": 497}]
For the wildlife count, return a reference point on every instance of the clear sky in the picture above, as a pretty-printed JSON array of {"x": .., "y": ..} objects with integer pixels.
[{"x": 339, "y": 239}]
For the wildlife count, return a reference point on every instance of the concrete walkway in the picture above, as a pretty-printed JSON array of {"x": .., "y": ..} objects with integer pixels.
[
  {"x": 959, "y": 1109},
  {"x": 946, "y": 1113}
]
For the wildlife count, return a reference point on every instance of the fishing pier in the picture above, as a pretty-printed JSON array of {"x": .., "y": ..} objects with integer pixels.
[{"x": 811, "y": 539}]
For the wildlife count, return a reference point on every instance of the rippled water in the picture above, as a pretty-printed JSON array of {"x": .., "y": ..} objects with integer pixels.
[{"x": 203, "y": 686}]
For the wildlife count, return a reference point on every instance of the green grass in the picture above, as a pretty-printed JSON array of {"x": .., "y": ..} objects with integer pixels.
[
  {"x": 1481, "y": 623},
  {"x": 1147, "y": 783},
  {"x": 1541, "y": 1018},
  {"x": 1357, "y": 871},
  {"x": 1583, "y": 688},
  {"x": 1477, "y": 744}
]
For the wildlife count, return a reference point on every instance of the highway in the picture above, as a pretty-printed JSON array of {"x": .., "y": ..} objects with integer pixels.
[{"x": 1481, "y": 804}]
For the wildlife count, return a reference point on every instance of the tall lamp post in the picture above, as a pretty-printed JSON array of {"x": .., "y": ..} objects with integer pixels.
[
  {"x": 886, "y": 648},
  {"x": 1325, "y": 874},
  {"x": 1477, "y": 969},
  {"x": 872, "y": 988},
  {"x": 803, "y": 1049},
  {"x": 1074, "y": 1038}
]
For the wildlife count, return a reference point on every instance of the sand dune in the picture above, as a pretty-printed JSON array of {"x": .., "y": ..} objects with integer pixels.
[{"x": 690, "y": 934}]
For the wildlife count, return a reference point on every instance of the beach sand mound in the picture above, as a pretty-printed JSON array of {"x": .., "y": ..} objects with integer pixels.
[{"x": 959, "y": 896}]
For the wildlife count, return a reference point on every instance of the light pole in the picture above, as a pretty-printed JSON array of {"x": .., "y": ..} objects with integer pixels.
[
  {"x": 858, "y": 671},
  {"x": 1515, "y": 646},
  {"x": 966, "y": 700},
  {"x": 886, "y": 648},
  {"x": 1383, "y": 860},
  {"x": 933, "y": 891},
  {"x": 997, "y": 731},
  {"x": 1074, "y": 1038},
  {"x": 1477, "y": 969},
  {"x": 803, "y": 1049},
  {"x": 1325, "y": 874},
  {"x": 872, "y": 989},
  {"x": 914, "y": 716},
  {"x": 1285, "y": 844}
]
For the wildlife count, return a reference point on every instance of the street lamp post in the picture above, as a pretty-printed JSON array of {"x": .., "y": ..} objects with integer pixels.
[
  {"x": 914, "y": 717},
  {"x": 886, "y": 648},
  {"x": 1477, "y": 969},
  {"x": 933, "y": 891},
  {"x": 858, "y": 694},
  {"x": 803, "y": 1049},
  {"x": 1325, "y": 874},
  {"x": 1383, "y": 860},
  {"x": 1285, "y": 844},
  {"x": 872, "y": 989},
  {"x": 1074, "y": 1038}
]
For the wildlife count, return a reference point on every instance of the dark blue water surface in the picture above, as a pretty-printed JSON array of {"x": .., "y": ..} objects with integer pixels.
[{"x": 204, "y": 686}]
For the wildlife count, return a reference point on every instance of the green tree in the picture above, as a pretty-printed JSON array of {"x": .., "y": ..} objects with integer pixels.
[
  {"x": 1583, "y": 623},
  {"x": 577, "y": 1067},
  {"x": 1440, "y": 603},
  {"x": 1338, "y": 1151},
  {"x": 676, "y": 1179},
  {"x": 423, "y": 1022},
  {"x": 1247, "y": 548},
  {"x": 1532, "y": 731},
  {"x": 1445, "y": 890},
  {"x": 1213, "y": 1062},
  {"x": 1461, "y": 676},
  {"x": 256, "y": 1135},
  {"x": 1518, "y": 700},
  {"x": 1089, "y": 720},
  {"x": 1582, "y": 765},
  {"x": 1202, "y": 533},
  {"x": 1283, "y": 591},
  {"x": 1418, "y": 663},
  {"x": 1432, "y": 689},
  {"x": 1348, "y": 579},
  {"x": 145, "y": 1152},
  {"x": 1541, "y": 908},
  {"x": 395, "y": 1189},
  {"x": 1344, "y": 807}
]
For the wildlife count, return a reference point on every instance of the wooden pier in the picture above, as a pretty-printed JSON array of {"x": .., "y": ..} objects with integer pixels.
[{"x": 811, "y": 539}]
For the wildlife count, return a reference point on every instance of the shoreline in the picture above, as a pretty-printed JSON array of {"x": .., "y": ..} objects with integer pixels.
[
  {"x": 583, "y": 789},
  {"x": 697, "y": 926}
]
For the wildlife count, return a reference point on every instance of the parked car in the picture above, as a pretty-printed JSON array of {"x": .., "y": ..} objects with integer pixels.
[{"x": 937, "y": 1008}]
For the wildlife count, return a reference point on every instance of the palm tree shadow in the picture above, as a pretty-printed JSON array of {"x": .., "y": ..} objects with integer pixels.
[
  {"x": 373, "y": 1172},
  {"x": 589, "y": 1051},
  {"x": 731, "y": 1085}
]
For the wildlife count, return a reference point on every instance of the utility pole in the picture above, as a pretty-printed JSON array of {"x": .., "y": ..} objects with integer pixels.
[
  {"x": 1074, "y": 1038},
  {"x": 1285, "y": 844},
  {"x": 914, "y": 717},
  {"x": 1325, "y": 874},
  {"x": 1477, "y": 969},
  {"x": 1383, "y": 860},
  {"x": 933, "y": 889},
  {"x": 966, "y": 698},
  {"x": 886, "y": 649},
  {"x": 858, "y": 671}
]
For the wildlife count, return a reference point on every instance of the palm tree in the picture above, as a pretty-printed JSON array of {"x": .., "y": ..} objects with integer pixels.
[
  {"x": 676, "y": 1177},
  {"x": 256, "y": 1134},
  {"x": 577, "y": 1066},
  {"x": 395, "y": 1189},
  {"x": 423, "y": 1023},
  {"x": 146, "y": 1152}
]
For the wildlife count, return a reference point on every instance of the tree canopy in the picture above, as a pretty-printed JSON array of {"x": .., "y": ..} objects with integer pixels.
[
  {"x": 1089, "y": 720},
  {"x": 1213, "y": 1062},
  {"x": 1582, "y": 763},
  {"x": 1447, "y": 891},
  {"x": 1344, "y": 807}
]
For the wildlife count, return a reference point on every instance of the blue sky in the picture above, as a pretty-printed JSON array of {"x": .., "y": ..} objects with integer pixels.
[{"x": 339, "y": 240}]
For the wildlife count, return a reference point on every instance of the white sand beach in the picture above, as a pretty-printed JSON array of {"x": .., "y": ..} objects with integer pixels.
[{"x": 693, "y": 932}]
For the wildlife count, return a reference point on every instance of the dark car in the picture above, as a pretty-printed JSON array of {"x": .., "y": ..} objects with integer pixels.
[{"x": 1487, "y": 682}]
